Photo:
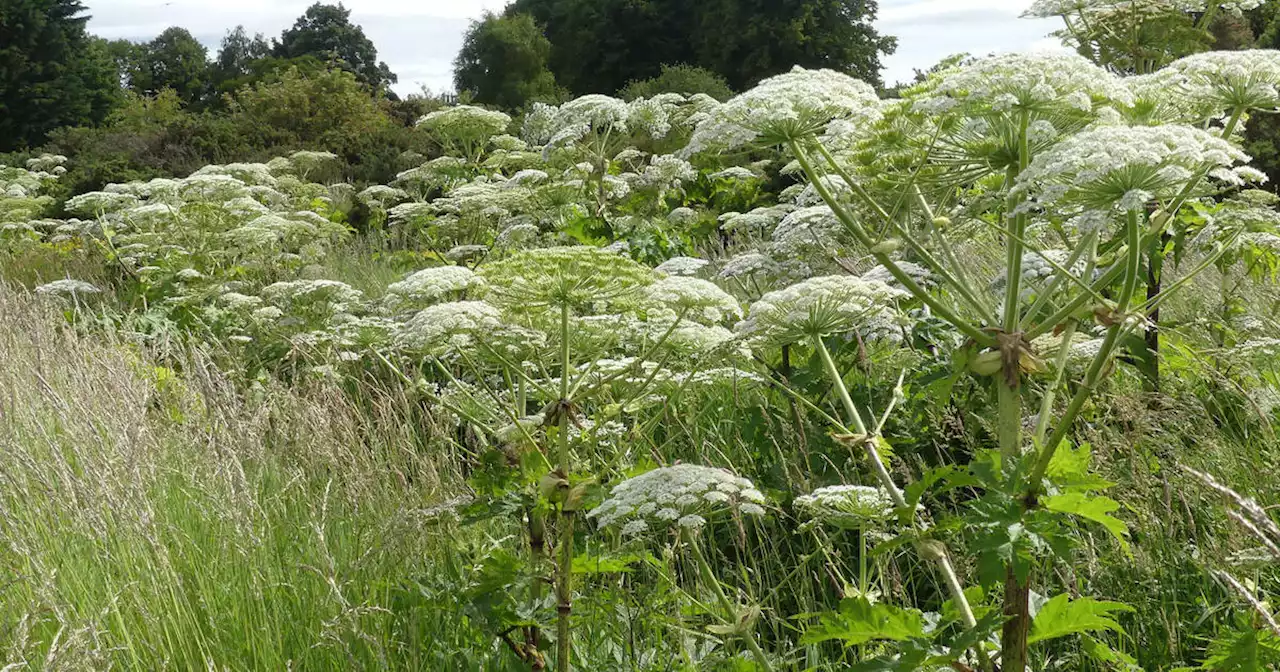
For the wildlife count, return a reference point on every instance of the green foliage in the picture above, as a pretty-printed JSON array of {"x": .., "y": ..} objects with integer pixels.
[
  {"x": 331, "y": 110},
  {"x": 860, "y": 621},
  {"x": 326, "y": 32},
  {"x": 683, "y": 79},
  {"x": 600, "y": 46},
  {"x": 52, "y": 74},
  {"x": 503, "y": 62},
  {"x": 1248, "y": 648},
  {"x": 1062, "y": 616},
  {"x": 174, "y": 60}
]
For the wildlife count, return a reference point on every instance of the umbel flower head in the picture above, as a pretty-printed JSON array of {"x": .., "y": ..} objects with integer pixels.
[
  {"x": 847, "y": 506},
  {"x": 1231, "y": 80},
  {"x": 821, "y": 306},
  {"x": 1111, "y": 169},
  {"x": 431, "y": 284},
  {"x": 678, "y": 496},
  {"x": 448, "y": 327},
  {"x": 465, "y": 124},
  {"x": 1028, "y": 81},
  {"x": 699, "y": 300},
  {"x": 784, "y": 107},
  {"x": 577, "y": 277},
  {"x": 1048, "y": 8}
]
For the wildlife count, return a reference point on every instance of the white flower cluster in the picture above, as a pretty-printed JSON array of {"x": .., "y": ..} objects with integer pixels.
[
  {"x": 812, "y": 226},
  {"x": 682, "y": 266},
  {"x": 747, "y": 264},
  {"x": 682, "y": 495},
  {"x": 1231, "y": 80},
  {"x": 430, "y": 284},
  {"x": 1109, "y": 169},
  {"x": 465, "y": 123},
  {"x": 822, "y": 306},
  {"x": 791, "y": 105},
  {"x": 698, "y": 299},
  {"x": 1036, "y": 81},
  {"x": 449, "y": 327},
  {"x": 919, "y": 274},
  {"x": 382, "y": 196},
  {"x": 847, "y": 506},
  {"x": 67, "y": 287},
  {"x": 1067, "y": 8}
]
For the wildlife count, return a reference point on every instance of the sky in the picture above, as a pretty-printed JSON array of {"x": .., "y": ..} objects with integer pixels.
[{"x": 419, "y": 38}]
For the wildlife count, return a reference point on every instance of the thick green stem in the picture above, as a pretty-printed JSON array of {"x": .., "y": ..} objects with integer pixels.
[
  {"x": 869, "y": 444},
  {"x": 1094, "y": 375},
  {"x": 941, "y": 309},
  {"x": 564, "y": 545},
  {"x": 1009, "y": 420},
  {"x": 731, "y": 613}
]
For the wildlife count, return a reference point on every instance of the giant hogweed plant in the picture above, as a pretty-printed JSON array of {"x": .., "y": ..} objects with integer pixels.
[
  {"x": 547, "y": 354},
  {"x": 1037, "y": 149}
]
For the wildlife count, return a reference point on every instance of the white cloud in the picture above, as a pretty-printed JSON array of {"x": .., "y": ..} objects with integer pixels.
[{"x": 419, "y": 38}]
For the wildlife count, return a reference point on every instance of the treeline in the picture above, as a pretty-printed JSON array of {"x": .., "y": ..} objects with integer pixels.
[{"x": 126, "y": 110}]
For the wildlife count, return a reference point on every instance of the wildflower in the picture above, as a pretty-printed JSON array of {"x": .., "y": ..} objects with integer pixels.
[
  {"x": 1231, "y": 80},
  {"x": 574, "y": 276},
  {"x": 698, "y": 299},
  {"x": 430, "y": 284},
  {"x": 448, "y": 327},
  {"x": 465, "y": 123},
  {"x": 919, "y": 274},
  {"x": 1034, "y": 81},
  {"x": 847, "y": 506},
  {"x": 1097, "y": 172},
  {"x": 821, "y": 306},
  {"x": 67, "y": 288},
  {"x": 792, "y": 105},
  {"x": 816, "y": 225},
  {"x": 747, "y": 264},
  {"x": 682, "y": 266},
  {"x": 685, "y": 494}
]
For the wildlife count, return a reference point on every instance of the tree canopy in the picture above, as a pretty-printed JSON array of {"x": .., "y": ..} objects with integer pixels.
[
  {"x": 326, "y": 32},
  {"x": 504, "y": 62},
  {"x": 598, "y": 46},
  {"x": 173, "y": 60},
  {"x": 52, "y": 73}
]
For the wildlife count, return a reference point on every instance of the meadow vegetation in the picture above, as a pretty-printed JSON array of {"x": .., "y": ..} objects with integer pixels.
[{"x": 979, "y": 376}]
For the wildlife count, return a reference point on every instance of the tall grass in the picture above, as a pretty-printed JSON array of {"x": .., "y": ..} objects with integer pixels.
[{"x": 151, "y": 521}]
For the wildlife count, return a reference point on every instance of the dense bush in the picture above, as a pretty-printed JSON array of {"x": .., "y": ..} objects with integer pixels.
[{"x": 682, "y": 79}]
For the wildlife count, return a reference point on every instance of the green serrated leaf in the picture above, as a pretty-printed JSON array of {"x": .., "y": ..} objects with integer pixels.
[
  {"x": 1096, "y": 509},
  {"x": 1062, "y": 616},
  {"x": 1069, "y": 469},
  {"x": 859, "y": 621}
]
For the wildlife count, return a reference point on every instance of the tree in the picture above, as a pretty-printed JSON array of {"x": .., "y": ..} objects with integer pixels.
[
  {"x": 331, "y": 109},
  {"x": 680, "y": 78},
  {"x": 503, "y": 62},
  {"x": 598, "y": 46},
  {"x": 173, "y": 60},
  {"x": 237, "y": 54},
  {"x": 326, "y": 32},
  {"x": 51, "y": 72}
]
